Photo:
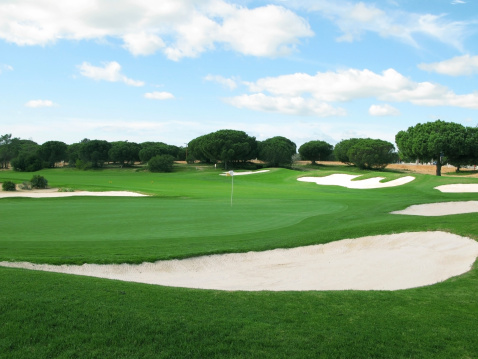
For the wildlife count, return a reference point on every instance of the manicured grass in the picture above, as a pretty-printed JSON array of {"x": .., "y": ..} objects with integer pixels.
[{"x": 56, "y": 315}]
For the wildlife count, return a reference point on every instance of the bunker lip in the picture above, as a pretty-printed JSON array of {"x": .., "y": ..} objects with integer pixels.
[
  {"x": 459, "y": 188},
  {"x": 440, "y": 209},
  {"x": 387, "y": 262},
  {"x": 346, "y": 180}
]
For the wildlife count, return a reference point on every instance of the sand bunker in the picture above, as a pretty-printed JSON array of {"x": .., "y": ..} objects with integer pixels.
[
  {"x": 345, "y": 180},
  {"x": 459, "y": 188},
  {"x": 244, "y": 173},
  {"x": 440, "y": 209},
  {"x": 53, "y": 193},
  {"x": 388, "y": 262}
]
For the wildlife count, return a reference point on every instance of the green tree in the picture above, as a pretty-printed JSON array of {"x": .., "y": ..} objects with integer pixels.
[
  {"x": 224, "y": 145},
  {"x": 7, "y": 150},
  {"x": 433, "y": 141},
  {"x": 342, "y": 148},
  {"x": 94, "y": 151},
  {"x": 469, "y": 155},
  {"x": 52, "y": 152},
  {"x": 315, "y": 151},
  {"x": 371, "y": 153},
  {"x": 151, "y": 149},
  {"x": 73, "y": 154},
  {"x": 277, "y": 151},
  {"x": 27, "y": 162},
  {"x": 124, "y": 152},
  {"x": 161, "y": 163}
]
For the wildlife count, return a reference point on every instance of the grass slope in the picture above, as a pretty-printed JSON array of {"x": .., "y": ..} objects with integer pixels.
[{"x": 56, "y": 315}]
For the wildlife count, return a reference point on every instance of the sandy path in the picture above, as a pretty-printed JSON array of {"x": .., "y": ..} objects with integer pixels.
[
  {"x": 440, "y": 209},
  {"x": 388, "y": 262},
  {"x": 345, "y": 180}
]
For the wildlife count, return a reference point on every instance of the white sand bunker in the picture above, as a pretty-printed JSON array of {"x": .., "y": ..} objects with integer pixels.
[
  {"x": 245, "y": 173},
  {"x": 345, "y": 180},
  {"x": 388, "y": 262},
  {"x": 459, "y": 188},
  {"x": 53, "y": 193},
  {"x": 440, "y": 209}
]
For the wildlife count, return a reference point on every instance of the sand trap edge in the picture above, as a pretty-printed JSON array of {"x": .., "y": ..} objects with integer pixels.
[{"x": 387, "y": 262}]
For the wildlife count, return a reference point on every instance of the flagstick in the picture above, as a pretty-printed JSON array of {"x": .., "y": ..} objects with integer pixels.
[{"x": 232, "y": 186}]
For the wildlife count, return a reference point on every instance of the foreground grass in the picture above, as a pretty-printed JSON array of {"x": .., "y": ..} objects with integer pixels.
[{"x": 45, "y": 315}]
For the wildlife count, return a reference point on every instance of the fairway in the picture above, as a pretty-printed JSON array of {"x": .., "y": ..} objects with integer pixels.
[{"x": 187, "y": 214}]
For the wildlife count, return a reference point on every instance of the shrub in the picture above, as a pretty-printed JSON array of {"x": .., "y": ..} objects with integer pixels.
[
  {"x": 8, "y": 186},
  {"x": 161, "y": 163},
  {"x": 27, "y": 163},
  {"x": 38, "y": 181},
  {"x": 26, "y": 185}
]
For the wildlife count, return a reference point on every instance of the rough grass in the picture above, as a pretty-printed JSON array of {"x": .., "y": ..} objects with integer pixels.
[{"x": 56, "y": 315}]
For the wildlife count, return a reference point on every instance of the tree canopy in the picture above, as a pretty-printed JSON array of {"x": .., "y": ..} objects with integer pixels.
[
  {"x": 315, "y": 151},
  {"x": 224, "y": 145},
  {"x": 371, "y": 153},
  {"x": 277, "y": 151},
  {"x": 432, "y": 141},
  {"x": 52, "y": 152},
  {"x": 342, "y": 148},
  {"x": 365, "y": 152}
]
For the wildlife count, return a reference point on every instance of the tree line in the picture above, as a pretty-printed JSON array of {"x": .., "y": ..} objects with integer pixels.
[
  {"x": 28, "y": 156},
  {"x": 440, "y": 142}
]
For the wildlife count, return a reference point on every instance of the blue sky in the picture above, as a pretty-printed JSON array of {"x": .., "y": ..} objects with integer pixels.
[{"x": 172, "y": 70}]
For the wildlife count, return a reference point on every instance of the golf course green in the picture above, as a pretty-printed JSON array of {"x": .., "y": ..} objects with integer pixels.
[{"x": 191, "y": 212}]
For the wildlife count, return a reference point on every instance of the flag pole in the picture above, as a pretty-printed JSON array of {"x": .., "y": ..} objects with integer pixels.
[{"x": 231, "y": 173}]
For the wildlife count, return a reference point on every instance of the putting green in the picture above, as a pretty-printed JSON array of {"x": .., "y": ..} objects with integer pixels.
[{"x": 106, "y": 218}]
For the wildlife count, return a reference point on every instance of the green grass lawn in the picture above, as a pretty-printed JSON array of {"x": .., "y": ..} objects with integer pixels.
[{"x": 189, "y": 213}]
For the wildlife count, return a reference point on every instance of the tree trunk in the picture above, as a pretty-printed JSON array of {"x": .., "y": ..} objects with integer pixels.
[{"x": 438, "y": 172}]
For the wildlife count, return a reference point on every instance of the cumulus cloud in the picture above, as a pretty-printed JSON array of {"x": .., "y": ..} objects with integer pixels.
[
  {"x": 383, "y": 110},
  {"x": 304, "y": 94},
  {"x": 286, "y": 105},
  {"x": 456, "y": 66},
  {"x": 142, "y": 43},
  {"x": 179, "y": 28},
  {"x": 40, "y": 103},
  {"x": 159, "y": 95},
  {"x": 231, "y": 84},
  {"x": 111, "y": 71},
  {"x": 355, "y": 19}
]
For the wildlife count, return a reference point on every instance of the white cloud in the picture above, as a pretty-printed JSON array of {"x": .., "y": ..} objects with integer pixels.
[
  {"x": 455, "y": 2},
  {"x": 383, "y": 110},
  {"x": 303, "y": 94},
  {"x": 111, "y": 71},
  {"x": 356, "y": 18},
  {"x": 456, "y": 66},
  {"x": 332, "y": 86},
  {"x": 286, "y": 105},
  {"x": 142, "y": 43},
  {"x": 180, "y": 28},
  {"x": 231, "y": 84},
  {"x": 4, "y": 67},
  {"x": 40, "y": 103},
  {"x": 159, "y": 95}
]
